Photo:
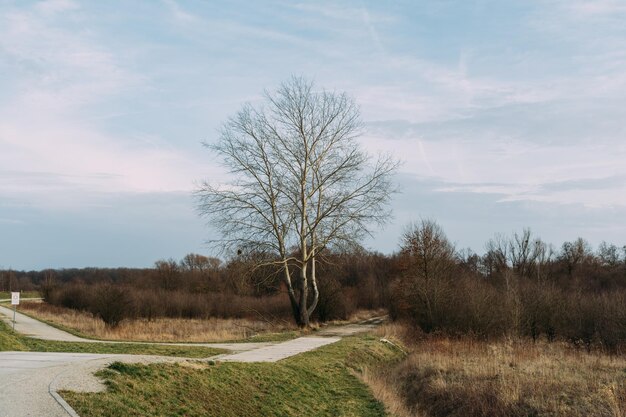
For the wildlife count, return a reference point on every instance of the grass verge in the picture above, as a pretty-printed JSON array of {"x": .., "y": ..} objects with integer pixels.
[
  {"x": 9, "y": 340},
  {"x": 318, "y": 383}
]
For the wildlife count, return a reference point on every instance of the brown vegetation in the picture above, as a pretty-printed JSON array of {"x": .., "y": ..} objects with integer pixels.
[
  {"x": 199, "y": 287},
  {"x": 156, "y": 330},
  {"x": 519, "y": 288},
  {"x": 509, "y": 377}
]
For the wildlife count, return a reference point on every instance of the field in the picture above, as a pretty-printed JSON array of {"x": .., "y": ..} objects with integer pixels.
[
  {"x": 11, "y": 341},
  {"x": 434, "y": 377},
  {"x": 466, "y": 378},
  {"x": 160, "y": 329}
]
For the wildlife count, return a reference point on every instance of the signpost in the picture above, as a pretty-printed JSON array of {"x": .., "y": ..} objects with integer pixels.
[{"x": 15, "y": 301}]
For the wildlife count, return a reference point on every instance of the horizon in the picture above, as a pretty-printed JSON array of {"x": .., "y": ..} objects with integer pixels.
[{"x": 505, "y": 116}]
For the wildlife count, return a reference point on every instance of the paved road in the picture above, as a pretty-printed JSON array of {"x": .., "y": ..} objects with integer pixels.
[
  {"x": 281, "y": 350},
  {"x": 34, "y": 328}
]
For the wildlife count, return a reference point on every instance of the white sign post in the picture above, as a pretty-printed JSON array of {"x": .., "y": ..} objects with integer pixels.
[{"x": 15, "y": 301}]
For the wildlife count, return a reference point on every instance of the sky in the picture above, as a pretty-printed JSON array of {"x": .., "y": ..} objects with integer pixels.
[{"x": 505, "y": 115}]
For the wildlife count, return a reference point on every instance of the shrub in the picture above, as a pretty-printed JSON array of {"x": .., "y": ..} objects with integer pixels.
[{"x": 112, "y": 304}]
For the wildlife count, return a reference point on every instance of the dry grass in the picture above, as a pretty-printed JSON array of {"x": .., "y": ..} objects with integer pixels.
[
  {"x": 157, "y": 330},
  {"x": 451, "y": 377},
  {"x": 362, "y": 314}
]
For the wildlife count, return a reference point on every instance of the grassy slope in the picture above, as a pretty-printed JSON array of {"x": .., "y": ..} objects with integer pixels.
[
  {"x": 318, "y": 383},
  {"x": 10, "y": 340}
]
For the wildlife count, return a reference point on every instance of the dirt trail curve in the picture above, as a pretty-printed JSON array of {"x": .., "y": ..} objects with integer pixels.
[{"x": 29, "y": 381}]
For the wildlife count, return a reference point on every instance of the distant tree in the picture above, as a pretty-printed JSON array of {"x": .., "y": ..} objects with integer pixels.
[
  {"x": 301, "y": 184},
  {"x": 48, "y": 284},
  {"x": 199, "y": 263},
  {"x": 168, "y": 273},
  {"x": 112, "y": 304},
  {"x": 8, "y": 281},
  {"x": 495, "y": 260},
  {"x": 522, "y": 252},
  {"x": 429, "y": 262},
  {"x": 575, "y": 253},
  {"x": 428, "y": 251},
  {"x": 609, "y": 255}
]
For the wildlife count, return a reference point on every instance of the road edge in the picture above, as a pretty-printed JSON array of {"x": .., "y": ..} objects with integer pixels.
[{"x": 68, "y": 408}]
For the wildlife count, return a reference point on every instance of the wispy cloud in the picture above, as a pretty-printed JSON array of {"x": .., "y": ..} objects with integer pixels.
[
  {"x": 594, "y": 8},
  {"x": 47, "y": 121}
]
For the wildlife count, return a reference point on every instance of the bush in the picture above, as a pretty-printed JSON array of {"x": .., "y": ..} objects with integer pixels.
[{"x": 112, "y": 304}]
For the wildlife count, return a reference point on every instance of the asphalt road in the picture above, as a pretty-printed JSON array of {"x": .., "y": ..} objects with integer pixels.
[{"x": 34, "y": 328}]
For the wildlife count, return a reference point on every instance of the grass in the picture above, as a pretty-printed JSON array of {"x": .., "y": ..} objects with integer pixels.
[
  {"x": 318, "y": 383},
  {"x": 85, "y": 325},
  {"x": 466, "y": 377},
  {"x": 11, "y": 341},
  {"x": 6, "y": 295}
]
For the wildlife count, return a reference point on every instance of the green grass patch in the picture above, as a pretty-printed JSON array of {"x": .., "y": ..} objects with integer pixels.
[
  {"x": 10, "y": 340},
  {"x": 4, "y": 295},
  {"x": 317, "y": 383},
  {"x": 37, "y": 345}
]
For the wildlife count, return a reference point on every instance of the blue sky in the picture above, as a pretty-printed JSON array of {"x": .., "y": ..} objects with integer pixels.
[{"x": 505, "y": 114}]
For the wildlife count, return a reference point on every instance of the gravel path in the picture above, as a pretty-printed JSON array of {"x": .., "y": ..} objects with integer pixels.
[{"x": 281, "y": 350}]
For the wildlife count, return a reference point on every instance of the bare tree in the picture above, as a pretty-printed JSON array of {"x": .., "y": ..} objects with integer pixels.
[
  {"x": 430, "y": 264},
  {"x": 575, "y": 253},
  {"x": 301, "y": 184},
  {"x": 495, "y": 260}
]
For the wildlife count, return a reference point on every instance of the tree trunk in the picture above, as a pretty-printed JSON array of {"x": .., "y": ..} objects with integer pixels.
[
  {"x": 295, "y": 308},
  {"x": 316, "y": 292},
  {"x": 304, "y": 295}
]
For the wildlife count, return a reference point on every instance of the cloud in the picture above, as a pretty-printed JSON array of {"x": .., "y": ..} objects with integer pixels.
[
  {"x": 56, "y": 6},
  {"x": 179, "y": 13},
  {"x": 53, "y": 148},
  {"x": 558, "y": 152},
  {"x": 587, "y": 8}
]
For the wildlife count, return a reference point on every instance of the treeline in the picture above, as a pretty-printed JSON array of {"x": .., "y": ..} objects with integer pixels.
[
  {"x": 199, "y": 287},
  {"x": 521, "y": 286}
]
